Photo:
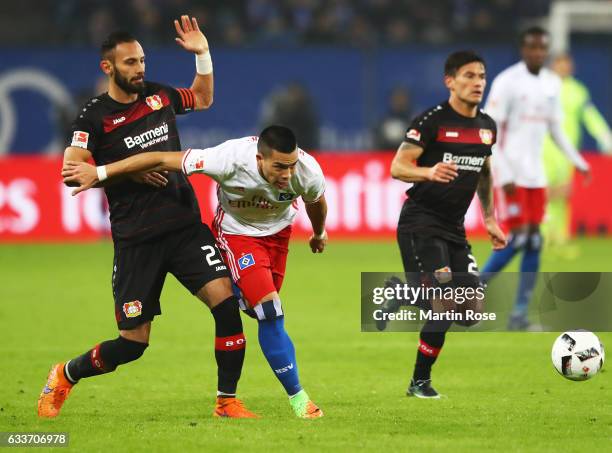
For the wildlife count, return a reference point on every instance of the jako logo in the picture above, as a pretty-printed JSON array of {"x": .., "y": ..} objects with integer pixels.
[
  {"x": 284, "y": 369},
  {"x": 119, "y": 120}
]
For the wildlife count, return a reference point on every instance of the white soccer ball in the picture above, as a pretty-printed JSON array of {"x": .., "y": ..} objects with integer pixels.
[{"x": 578, "y": 355}]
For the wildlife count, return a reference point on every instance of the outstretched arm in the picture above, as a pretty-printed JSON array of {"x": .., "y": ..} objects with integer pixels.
[
  {"x": 87, "y": 176},
  {"x": 191, "y": 38},
  {"x": 76, "y": 154},
  {"x": 485, "y": 195}
]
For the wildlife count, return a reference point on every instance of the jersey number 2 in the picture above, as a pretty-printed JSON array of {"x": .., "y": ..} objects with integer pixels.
[
  {"x": 210, "y": 252},
  {"x": 472, "y": 266}
]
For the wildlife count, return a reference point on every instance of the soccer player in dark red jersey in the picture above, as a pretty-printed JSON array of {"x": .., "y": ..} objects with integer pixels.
[
  {"x": 446, "y": 154},
  {"x": 155, "y": 219}
]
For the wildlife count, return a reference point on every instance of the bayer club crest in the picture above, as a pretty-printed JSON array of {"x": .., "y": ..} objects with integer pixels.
[
  {"x": 154, "y": 102},
  {"x": 132, "y": 309},
  {"x": 486, "y": 136}
]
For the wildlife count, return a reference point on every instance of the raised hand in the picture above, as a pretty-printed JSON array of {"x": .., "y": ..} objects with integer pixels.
[{"x": 189, "y": 35}]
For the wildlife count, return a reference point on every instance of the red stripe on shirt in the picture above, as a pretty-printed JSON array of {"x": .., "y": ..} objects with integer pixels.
[
  {"x": 188, "y": 97},
  {"x": 181, "y": 91},
  {"x": 134, "y": 113},
  {"x": 466, "y": 135}
]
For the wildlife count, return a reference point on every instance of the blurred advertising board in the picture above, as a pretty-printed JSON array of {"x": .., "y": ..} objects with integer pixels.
[{"x": 364, "y": 202}]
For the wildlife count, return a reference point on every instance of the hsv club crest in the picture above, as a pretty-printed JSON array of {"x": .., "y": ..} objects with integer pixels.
[{"x": 154, "y": 102}]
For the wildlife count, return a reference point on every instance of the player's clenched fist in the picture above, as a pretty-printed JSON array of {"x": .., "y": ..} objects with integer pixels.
[
  {"x": 443, "y": 172},
  {"x": 318, "y": 243}
]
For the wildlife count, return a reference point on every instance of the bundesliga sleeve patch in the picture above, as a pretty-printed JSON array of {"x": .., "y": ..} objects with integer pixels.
[
  {"x": 193, "y": 162},
  {"x": 414, "y": 135},
  {"x": 80, "y": 139}
]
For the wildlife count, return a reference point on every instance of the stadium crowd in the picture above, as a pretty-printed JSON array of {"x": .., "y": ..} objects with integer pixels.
[{"x": 282, "y": 23}]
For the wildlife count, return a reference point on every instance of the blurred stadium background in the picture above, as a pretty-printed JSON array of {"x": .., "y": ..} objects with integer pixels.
[{"x": 347, "y": 76}]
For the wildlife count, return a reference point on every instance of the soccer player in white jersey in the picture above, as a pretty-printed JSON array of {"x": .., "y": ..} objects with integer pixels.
[
  {"x": 525, "y": 102},
  {"x": 260, "y": 180}
]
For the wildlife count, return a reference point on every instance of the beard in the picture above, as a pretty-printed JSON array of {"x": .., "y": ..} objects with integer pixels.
[{"x": 126, "y": 85}]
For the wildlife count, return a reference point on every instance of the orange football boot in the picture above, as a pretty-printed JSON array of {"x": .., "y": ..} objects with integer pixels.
[
  {"x": 55, "y": 392},
  {"x": 232, "y": 408},
  {"x": 312, "y": 411}
]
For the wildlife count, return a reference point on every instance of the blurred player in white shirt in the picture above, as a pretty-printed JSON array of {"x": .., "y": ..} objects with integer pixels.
[
  {"x": 259, "y": 181},
  {"x": 525, "y": 103}
]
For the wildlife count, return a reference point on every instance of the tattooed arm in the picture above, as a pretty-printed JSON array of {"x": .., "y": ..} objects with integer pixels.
[{"x": 485, "y": 195}]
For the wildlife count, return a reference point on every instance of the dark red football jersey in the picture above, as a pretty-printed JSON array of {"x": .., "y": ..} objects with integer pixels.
[
  {"x": 438, "y": 209},
  {"x": 113, "y": 131}
]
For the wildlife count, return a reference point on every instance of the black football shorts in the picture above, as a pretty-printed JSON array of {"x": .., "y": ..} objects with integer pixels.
[
  {"x": 139, "y": 271},
  {"x": 438, "y": 261}
]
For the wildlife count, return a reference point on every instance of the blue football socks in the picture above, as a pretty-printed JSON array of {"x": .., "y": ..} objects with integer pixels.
[
  {"x": 500, "y": 258},
  {"x": 279, "y": 352},
  {"x": 530, "y": 265}
]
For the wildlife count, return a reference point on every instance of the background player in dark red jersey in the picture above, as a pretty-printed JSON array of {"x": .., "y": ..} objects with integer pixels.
[
  {"x": 451, "y": 144},
  {"x": 156, "y": 227}
]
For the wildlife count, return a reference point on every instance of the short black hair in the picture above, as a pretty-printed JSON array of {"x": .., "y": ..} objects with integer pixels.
[
  {"x": 532, "y": 31},
  {"x": 460, "y": 58},
  {"x": 278, "y": 138},
  {"x": 113, "y": 40}
]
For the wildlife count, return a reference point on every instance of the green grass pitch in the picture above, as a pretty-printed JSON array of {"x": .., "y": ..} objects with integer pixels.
[{"x": 501, "y": 390}]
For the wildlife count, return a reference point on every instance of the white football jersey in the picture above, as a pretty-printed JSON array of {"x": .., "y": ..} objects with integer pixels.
[
  {"x": 526, "y": 107},
  {"x": 248, "y": 204}
]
